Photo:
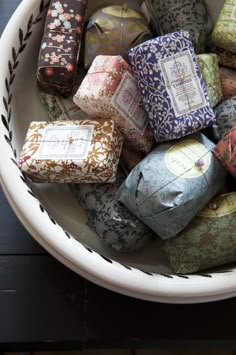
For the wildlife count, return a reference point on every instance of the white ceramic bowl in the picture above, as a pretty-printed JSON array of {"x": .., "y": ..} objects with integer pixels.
[{"x": 51, "y": 214}]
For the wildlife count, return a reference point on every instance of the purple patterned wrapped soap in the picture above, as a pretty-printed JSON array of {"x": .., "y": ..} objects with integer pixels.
[{"x": 172, "y": 87}]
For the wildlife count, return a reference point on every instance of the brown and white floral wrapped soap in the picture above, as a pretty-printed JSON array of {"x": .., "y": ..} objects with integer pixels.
[{"x": 85, "y": 151}]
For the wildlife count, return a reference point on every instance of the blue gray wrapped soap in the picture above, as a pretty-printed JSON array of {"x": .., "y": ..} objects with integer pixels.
[
  {"x": 172, "y": 184},
  {"x": 112, "y": 221},
  {"x": 171, "y": 85},
  {"x": 225, "y": 118}
]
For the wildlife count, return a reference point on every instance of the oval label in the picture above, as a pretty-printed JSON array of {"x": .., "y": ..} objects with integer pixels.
[{"x": 222, "y": 206}]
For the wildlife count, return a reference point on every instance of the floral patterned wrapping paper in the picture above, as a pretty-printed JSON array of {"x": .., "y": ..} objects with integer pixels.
[
  {"x": 172, "y": 184},
  {"x": 115, "y": 225},
  {"x": 189, "y": 15},
  {"x": 211, "y": 75},
  {"x": 225, "y": 118},
  {"x": 130, "y": 158},
  {"x": 226, "y": 58},
  {"x": 228, "y": 82},
  {"x": 225, "y": 151},
  {"x": 224, "y": 32},
  {"x": 171, "y": 84},
  {"x": 109, "y": 90},
  {"x": 71, "y": 151},
  {"x": 113, "y": 30},
  {"x": 60, "y": 46},
  {"x": 210, "y": 239}
]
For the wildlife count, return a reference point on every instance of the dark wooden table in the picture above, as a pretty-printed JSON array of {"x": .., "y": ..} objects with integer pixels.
[{"x": 45, "y": 306}]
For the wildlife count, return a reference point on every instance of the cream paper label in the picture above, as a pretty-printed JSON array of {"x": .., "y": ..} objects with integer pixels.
[
  {"x": 65, "y": 142},
  {"x": 182, "y": 157},
  {"x": 126, "y": 101},
  {"x": 182, "y": 83},
  {"x": 220, "y": 206}
]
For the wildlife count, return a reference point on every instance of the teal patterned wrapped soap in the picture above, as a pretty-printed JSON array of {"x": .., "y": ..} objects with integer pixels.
[
  {"x": 209, "y": 241},
  {"x": 114, "y": 224},
  {"x": 225, "y": 118},
  {"x": 172, "y": 184}
]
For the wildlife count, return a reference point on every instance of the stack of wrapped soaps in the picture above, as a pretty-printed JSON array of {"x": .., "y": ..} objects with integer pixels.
[{"x": 142, "y": 124}]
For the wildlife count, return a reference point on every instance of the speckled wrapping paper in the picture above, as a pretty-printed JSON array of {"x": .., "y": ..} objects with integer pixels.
[
  {"x": 60, "y": 46},
  {"x": 172, "y": 184},
  {"x": 224, "y": 32},
  {"x": 226, "y": 58},
  {"x": 115, "y": 225},
  {"x": 210, "y": 239},
  {"x": 109, "y": 90},
  {"x": 225, "y": 118},
  {"x": 71, "y": 151},
  {"x": 211, "y": 75},
  {"x": 170, "y": 81},
  {"x": 228, "y": 82},
  {"x": 225, "y": 151},
  {"x": 113, "y": 30},
  {"x": 189, "y": 15}
]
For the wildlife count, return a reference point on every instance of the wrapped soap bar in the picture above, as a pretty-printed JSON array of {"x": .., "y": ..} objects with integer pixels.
[
  {"x": 172, "y": 184},
  {"x": 171, "y": 84},
  {"x": 60, "y": 46},
  {"x": 109, "y": 90},
  {"x": 225, "y": 151},
  {"x": 189, "y": 15},
  {"x": 226, "y": 58},
  {"x": 71, "y": 151},
  {"x": 210, "y": 239},
  {"x": 113, "y": 30},
  {"x": 228, "y": 82},
  {"x": 224, "y": 32},
  {"x": 225, "y": 118},
  {"x": 130, "y": 158},
  {"x": 211, "y": 75},
  {"x": 115, "y": 225}
]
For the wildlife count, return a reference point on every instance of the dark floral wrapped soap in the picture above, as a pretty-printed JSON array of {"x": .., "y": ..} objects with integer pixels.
[
  {"x": 172, "y": 184},
  {"x": 209, "y": 241},
  {"x": 225, "y": 118},
  {"x": 60, "y": 46},
  {"x": 172, "y": 87},
  {"x": 115, "y": 225}
]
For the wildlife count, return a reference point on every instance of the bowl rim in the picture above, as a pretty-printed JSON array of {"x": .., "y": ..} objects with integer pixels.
[{"x": 103, "y": 271}]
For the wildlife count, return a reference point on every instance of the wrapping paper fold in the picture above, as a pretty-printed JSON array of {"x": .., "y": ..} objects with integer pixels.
[
  {"x": 60, "y": 46},
  {"x": 71, "y": 151},
  {"x": 228, "y": 82},
  {"x": 109, "y": 90},
  {"x": 171, "y": 84},
  {"x": 172, "y": 184},
  {"x": 211, "y": 75},
  {"x": 114, "y": 224},
  {"x": 113, "y": 30},
  {"x": 175, "y": 15},
  {"x": 225, "y": 151},
  {"x": 210, "y": 239},
  {"x": 224, "y": 32},
  {"x": 225, "y": 118}
]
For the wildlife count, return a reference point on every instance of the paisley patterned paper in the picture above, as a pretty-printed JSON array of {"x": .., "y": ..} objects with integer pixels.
[
  {"x": 113, "y": 30},
  {"x": 225, "y": 151},
  {"x": 210, "y": 239},
  {"x": 225, "y": 118},
  {"x": 228, "y": 82},
  {"x": 105, "y": 92},
  {"x": 171, "y": 84},
  {"x": 60, "y": 46},
  {"x": 71, "y": 151},
  {"x": 115, "y": 225},
  {"x": 211, "y": 75},
  {"x": 189, "y": 15},
  {"x": 172, "y": 184},
  {"x": 224, "y": 33},
  {"x": 226, "y": 58}
]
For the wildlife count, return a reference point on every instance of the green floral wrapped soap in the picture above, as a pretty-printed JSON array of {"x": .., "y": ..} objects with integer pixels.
[
  {"x": 209, "y": 241},
  {"x": 224, "y": 32},
  {"x": 211, "y": 74}
]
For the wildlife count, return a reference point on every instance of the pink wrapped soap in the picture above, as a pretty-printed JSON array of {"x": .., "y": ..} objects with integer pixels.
[{"x": 109, "y": 90}]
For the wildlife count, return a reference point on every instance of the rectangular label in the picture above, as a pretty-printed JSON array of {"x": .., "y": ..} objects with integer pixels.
[
  {"x": 126, "y": 101},
  {"x": 182, "y": 83},
  {"x": 233, "y": 14},
  {"x": 65, "y": 142}
]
